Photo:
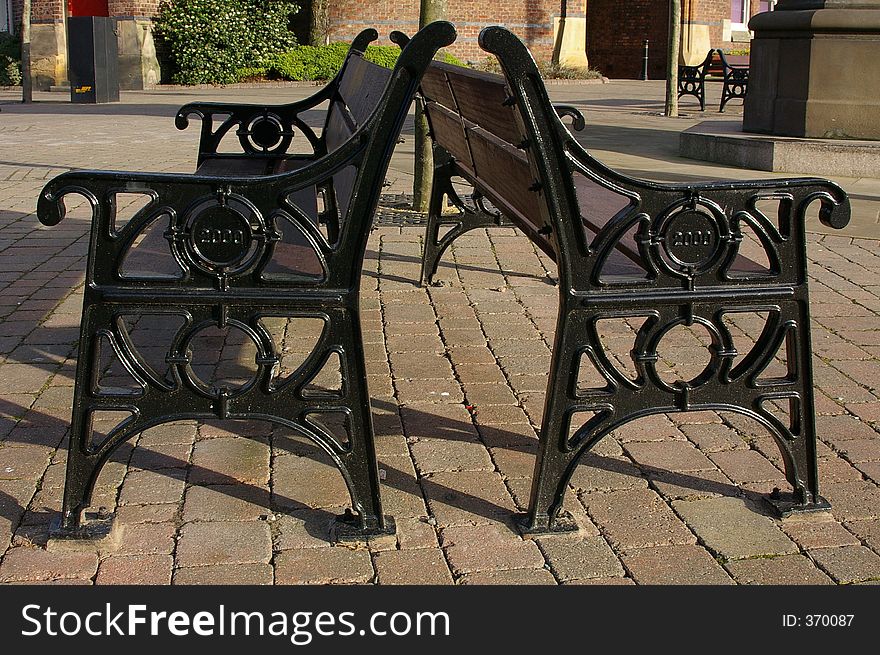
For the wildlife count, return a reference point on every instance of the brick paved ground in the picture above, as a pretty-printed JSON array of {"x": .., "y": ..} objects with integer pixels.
[{"x": 457, "y": 377}]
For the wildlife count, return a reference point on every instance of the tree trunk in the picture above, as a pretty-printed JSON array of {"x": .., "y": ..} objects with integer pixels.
[
  {"x": 318, "y": 22},
  {"x": 423, "y": 172},
  {"x": 672, "y": 70},
  {"x": 27, "y": 93}
]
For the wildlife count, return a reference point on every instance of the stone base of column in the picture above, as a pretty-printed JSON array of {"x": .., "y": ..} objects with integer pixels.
[
  {"x": 48, "y": 55},
  {"x": 571, "y": 43},
  {"x": 815, "y": 73},
  {"x": 138, "y": 65}
]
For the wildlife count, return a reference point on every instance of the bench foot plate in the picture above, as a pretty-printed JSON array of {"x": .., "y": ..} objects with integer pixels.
[
  {"x": 563, "y": 523},
  {"x": 784, "y": 505},
  {"x": 347, "y": 528},
  {"x": 97, "y": 529}
]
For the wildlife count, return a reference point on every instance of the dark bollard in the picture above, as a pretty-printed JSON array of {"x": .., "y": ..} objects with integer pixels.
[{"x": 645, "y": 62}]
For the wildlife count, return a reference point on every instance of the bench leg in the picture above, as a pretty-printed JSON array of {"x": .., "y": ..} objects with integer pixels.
[
  {"x": 466, "y": 220},
  {"x": 358, "y": 463},
  {"x": 742, "y": 391}
]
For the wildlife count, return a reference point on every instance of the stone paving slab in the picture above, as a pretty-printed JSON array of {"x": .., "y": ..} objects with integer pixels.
[{"x": 457, "y": 374}]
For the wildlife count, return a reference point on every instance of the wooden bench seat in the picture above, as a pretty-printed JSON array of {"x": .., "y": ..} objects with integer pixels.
[{"x": 670, "y": 255}]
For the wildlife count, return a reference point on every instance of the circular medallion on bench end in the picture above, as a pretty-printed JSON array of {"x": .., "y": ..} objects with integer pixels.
[
  {"x": 223, "y": 235},
  {"x": 691, "y": 236}
]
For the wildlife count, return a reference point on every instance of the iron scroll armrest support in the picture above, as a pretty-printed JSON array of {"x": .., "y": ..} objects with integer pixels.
[{"x": 578, "y": 120}]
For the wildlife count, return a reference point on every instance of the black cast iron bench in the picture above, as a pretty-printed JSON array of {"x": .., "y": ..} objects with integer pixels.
[
  {"x": 668, "y": 255},
  {"x": 731, "y": 70},
  {"x": 248, "y": 252}
]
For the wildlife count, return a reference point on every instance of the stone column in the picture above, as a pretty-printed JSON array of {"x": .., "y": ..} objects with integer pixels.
[
  {"x": 570, "y": 34},
  {"x": 815, "y": 70}
]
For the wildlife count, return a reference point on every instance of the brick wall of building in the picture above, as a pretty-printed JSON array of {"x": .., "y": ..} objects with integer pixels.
[
  {"x": 531, "y": 20},
  {"x": 139, "y": 8},
  {"x": 616, "y": 33}
]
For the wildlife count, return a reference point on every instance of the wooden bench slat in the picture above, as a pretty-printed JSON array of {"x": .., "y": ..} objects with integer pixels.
[
  {"x": 447, "y": 129},
  {"x": 505, "y": 172}
]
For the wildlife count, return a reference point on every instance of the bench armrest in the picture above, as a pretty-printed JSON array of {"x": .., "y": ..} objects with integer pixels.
[
  {"x": 175, "y": 194},
  {"x": 732, "y": 196}
]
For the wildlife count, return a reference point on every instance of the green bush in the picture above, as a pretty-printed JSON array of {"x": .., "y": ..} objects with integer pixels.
[
  {"x": 305, "y": 62},
  {"x": 215, "y": 41},
  {"x": 10, "y": 60}
]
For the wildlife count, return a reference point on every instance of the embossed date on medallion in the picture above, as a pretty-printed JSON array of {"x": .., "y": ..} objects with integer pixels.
[
  {"x": 693, "y": 238},
  {"x": 214, "y": 235}
]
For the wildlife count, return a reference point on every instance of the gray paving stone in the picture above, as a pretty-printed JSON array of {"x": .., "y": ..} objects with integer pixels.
[{"x": 733, "y": 529}]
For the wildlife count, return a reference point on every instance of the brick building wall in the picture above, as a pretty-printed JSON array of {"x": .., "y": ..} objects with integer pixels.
[{"x": 531, "y": 20}]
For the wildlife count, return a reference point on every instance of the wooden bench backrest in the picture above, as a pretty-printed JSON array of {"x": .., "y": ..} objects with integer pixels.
[
  {"x": 360, "y": 89},
  {"x": 471, "y": 118}
]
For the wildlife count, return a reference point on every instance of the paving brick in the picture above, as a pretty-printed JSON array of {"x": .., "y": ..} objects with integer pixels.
[
  {"x": 433, "y": 455},
  {"x": 401, "y": 493},
  {"x": 677, "y": 564},
  {"x": 574, "y": 557},
  {"x": 867, "y": 530},
  {"x": 848, "y": 563},
  {"x": 714, "y": 437},
  {"x": 23, "y": 462},
  {"x": 162, "y": 456},
  {"x": 467, "y": 498},
  {"x": 782, "y": 570},
  {"x": 429, "y": 391},
  {"x": 516, "y": 577},
  {"x": 416, "y": 533},
  {"x": 733, "y": 529},
  {"x": 601, "y": 473},
  {"x": 747, "y": 466},
  {"x": 135, "y": 569},
  {"x": 227, "y": 460},
  {"x": 602, "y": 581},
  {"x": 440, "y": 421},
  {"x": 651, "y": 428},
  {"x": 817, "y": 531},
  {"x": 691, "y": 486},
  {"x": 861, "y": 450},
  {"x": 420, "y": 567},
  {"x": 669, "y": 456},
  {"x": 226, "y": 574},
  {"x": 221, "y": 542},
  {"x": 488, "y": 547},
  {"x": 146, "y": 514},
  {"x": 146, "y": 538},
  {"x": 305, "y": 528},
  {"x": 636, "y": 518},
  {"x": 35, "y": 564},
  {"x": 225, "y": 502},
  {"x": 304, "y": 482},
  {"x": 853, "y": 500},
  {"x": 323, "y": 566},
  {"x": 151, "y": 487}
]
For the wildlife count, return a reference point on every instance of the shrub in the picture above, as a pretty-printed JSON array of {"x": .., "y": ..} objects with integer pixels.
[
  {"x": 213, "y": 41},
  {"x": 10, "y": 60},
  {"x": 307, "y": 62}
]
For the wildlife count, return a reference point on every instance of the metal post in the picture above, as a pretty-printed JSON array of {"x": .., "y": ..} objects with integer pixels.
[{"x": 645, "y": 62}]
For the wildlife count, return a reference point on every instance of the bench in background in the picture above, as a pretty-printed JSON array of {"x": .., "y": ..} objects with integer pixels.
[
  {"x": 731, "y": 70},
  {"x": 658, "y": 256}
]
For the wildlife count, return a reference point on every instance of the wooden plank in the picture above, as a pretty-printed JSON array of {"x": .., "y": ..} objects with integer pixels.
[
  {"x": 435, "y": 87},
  {"x": 362, "y": 86},
  {"x": 482, "y": 103},
  {"x": 503, "y": 173},
  {"x": 448, "y": 132}
]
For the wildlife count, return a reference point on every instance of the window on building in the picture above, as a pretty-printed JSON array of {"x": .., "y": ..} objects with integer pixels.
[
  {"x": 6, "y": 16},
  {"x": 739, "y": 13}
]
